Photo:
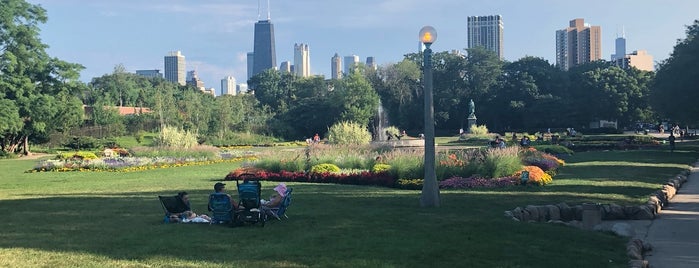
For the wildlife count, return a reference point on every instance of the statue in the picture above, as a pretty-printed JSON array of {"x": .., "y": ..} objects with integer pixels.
[{"x": 471, "y": 109}]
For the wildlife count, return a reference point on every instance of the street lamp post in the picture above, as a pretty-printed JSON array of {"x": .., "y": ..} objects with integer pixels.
[{"x": 430, "y": 190}]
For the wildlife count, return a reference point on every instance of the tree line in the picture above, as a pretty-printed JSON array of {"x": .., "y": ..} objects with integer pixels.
[{"x": 41, "y": 95}]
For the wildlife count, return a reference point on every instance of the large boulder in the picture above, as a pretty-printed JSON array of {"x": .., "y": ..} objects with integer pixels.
[
  {"x": 567, "y": 213},
  {"x": 554, "y": 212},
  {"x": 613, "y": 212},
  {"x": 533, "y": 212}
]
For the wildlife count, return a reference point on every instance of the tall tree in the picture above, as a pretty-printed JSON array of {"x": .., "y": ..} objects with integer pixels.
[
  {"x": 38, "y": 85},
  {"x": 674, "y": 90}
]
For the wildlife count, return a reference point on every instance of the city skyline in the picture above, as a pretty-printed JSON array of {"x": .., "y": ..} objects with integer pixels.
[{"x": 216, "y": 35}]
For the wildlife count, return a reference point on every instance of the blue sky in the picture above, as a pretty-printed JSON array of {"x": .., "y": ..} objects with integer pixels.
[{"x": 215, "y": 35}]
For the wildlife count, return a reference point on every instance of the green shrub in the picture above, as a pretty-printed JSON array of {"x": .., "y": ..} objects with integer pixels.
[
  {"x": 322, "y": 168},
  {"x": 6, "y": 155},
  {"x": 501, "y": 162},
  {"x": 345, "y": 133},
  {"x": 139, "y": 136},
  {"x": 200, "y": 152},
  {"x": 553, "y": 149},
  {"x": 380, "y": 168},
  {"x": 174, "y": 137},
  {"x": 407, "y": 165},
  {"x": 110, "y": 143},
  {"x": 78, "y": 155},
  {"x": 414, "y": 184},
  {"x": 478, "y": 130},
  {"x": 82, "y": 142}
]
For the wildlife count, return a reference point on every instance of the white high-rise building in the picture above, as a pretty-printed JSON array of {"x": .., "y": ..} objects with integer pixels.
[
  {"x": 228, "y": 86},
  {"x": 242, "y": 88},
  {"x": 302, "y": 60},
  {"x": 285, "y": 67},
  {"x": 487, "y": 32},
  {"x": 336, "y": 67},
  {"x": 350, "y": 63},
  {"x": 175, "y": 68}
]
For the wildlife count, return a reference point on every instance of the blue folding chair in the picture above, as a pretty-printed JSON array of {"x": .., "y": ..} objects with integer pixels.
[
  {"x": 221, "y": 208},
  {"x": 280, "y": 211}
]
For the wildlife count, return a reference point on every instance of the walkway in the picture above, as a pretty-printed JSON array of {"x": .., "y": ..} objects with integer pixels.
[{"x": 674, "y": 234}]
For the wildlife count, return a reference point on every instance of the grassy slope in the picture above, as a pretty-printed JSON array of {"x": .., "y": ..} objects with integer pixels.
[{"x": 113, "y": 219}]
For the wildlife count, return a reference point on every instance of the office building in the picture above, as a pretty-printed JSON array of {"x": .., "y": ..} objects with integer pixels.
[
  {"x": 336, "y": 67},
  {"x": 149, "y": 73},
  {"x": 371, "y": 63},
  {"x": 486, "y": 32},
  {"x": 351, "y": 62},
  {"x": 228, "y": 86},
  {"x": 264, "y": 51},
  {"x": 302, "y": 60},
  {"x": 620, "y": 47},
  {"x": 250, "y": 62},
  {"x": 285, "y": 67},
  {"x": 175, "y": 67},
  {"x": 193, "y": 80},
  {"x": 639, "y": 59},
  {"x": 579, "y": 43}
]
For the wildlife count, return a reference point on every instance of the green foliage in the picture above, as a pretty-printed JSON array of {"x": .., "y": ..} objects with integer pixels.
[
  {"x": 410, "y": 184},
  {"x": 380, "y": 168},
  {"x": 478, "y": 130},
  {"x": 139, "y": 136},
  {"x": 406, "y": 165},
  {"x": 347, "y": 133},
  {"x": 501, "y": 162},
  {"x": 244, "y": 138},
  {"x": 199, "y": 152},
  {"x": 356, "y": 98},
  {"x": 322, "y": 168},
  {"x": 173, "y": 137},
  {"x": 554, "y": 149},
  {"x": 83, "y": 142},
  {"x": 674, "y": 86},
  {"x": 391, "y": 130},
  {"x": 77, "y": 155}
]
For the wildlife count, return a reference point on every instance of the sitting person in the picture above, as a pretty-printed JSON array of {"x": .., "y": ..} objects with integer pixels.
[
  {"x": 219, "y": 188},
  {"x": 274, "y": 200},
  {"x": 193, "y": 217}
]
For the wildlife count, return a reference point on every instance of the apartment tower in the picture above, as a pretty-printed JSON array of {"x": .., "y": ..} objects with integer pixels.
[
  {"x": 579, "y": 43},
  {"x": 486, "y": 32}
]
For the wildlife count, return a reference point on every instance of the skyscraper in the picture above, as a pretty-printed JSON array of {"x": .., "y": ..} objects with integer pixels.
[
  {"x": 350, "y": 63},
  {"x": 193, "y": 80},
  {"x": 487, "y": 32},
  {"x": 371, "y": 63},
  {"x": 250, "y": 62},
  {"x": 620, "y": 47},
  {"x": 265, "y": 56},
  {"x": 336, "y": 67},
  {"x": 302, "y": 60},
  {"x": 579, "y": 43},
  {"x": 175, "y": 67},
  {"x": 228, "y": 86},
  {"x": 285, "y": 67}
]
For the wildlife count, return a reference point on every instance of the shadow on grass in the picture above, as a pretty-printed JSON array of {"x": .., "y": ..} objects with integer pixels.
[{"x": 329, "y": 225}]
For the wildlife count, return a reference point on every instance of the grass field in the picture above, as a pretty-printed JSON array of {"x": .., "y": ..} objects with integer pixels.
[{"x": 101, "y": 219}]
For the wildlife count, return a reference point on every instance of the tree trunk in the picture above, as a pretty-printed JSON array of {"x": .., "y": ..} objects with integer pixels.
[{"x": 25, "y": 146}]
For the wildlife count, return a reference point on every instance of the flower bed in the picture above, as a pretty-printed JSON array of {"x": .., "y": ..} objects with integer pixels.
[{"x": 127, "y": 164}]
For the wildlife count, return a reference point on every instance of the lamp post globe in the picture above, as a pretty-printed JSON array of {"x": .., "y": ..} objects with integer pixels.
[{"x": 430, "y": 190}]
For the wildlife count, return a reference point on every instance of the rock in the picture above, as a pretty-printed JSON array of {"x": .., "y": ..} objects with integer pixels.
[
  {"x": 623, "y": 229},
  {"x": 616, "y": 212},
  {"x": 638, "y": 264},
  {"x": 630, "y": 211},
  {"x": 671, "y": 191},
  {"x": 554, "y": 212},
  {"x": 645, "y": 212},
  {"x": 578, "y": 212},
  {"x": 566, "y": 212},
  {"x": 543, "y": 213},
  {"x": 533, "y": 212},
  {"x": 517, "y": 213},
  {"x": 653, "y": 200}
]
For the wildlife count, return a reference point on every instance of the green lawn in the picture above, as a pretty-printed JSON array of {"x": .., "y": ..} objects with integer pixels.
[{"x": 100, "y": 219}]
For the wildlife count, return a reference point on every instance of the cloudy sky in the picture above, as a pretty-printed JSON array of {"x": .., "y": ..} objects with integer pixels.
[{"x": 215, "y": 35}]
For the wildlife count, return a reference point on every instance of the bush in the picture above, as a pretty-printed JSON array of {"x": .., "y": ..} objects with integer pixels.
[
  {"x": 77, "y": 155},
  {"x": 201, "y": 152},
  {"x": 380, "y": 168},
  {"x": 501, "y": 162},
  {"x": 554, "y": 149},
  {"x": 478, "y": 130},
  {"x": 82, "y": 142},
  {"x": 322, "y": 168},
  {"x": 392, "y": 131},
  {"x": 7, "y": 155},
  {"x": 139, "y": 136},
  {"x": 173, "y": 137},
  {"x": 536, "y": 175},
  {"x": 414, "y": 184},
  {"x": 346, "y": 133}
]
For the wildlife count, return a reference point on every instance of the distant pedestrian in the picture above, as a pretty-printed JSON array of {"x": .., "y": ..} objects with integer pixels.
[
  {"x": 316, "y": 138},
  {"x": 671, "y": 139}
]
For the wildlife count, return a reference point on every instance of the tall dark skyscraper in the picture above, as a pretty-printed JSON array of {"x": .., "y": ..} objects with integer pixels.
[{"x": 265, "y": 56}]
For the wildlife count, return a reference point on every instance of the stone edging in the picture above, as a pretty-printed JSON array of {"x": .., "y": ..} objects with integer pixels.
[{"x": 573, "y": 216}]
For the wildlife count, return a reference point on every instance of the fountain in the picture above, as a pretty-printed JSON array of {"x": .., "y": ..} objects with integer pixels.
[{"x": 381, "y": 139}]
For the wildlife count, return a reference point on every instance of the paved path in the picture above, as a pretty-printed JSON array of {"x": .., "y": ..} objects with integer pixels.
[{"x": 674, "y": 235}]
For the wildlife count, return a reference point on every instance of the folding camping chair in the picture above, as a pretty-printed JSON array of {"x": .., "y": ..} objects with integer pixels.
[
  {"x": 221, "y": 208},
  {"x": 280, "y": 211},
  {"x": 172, "y": 205}
]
